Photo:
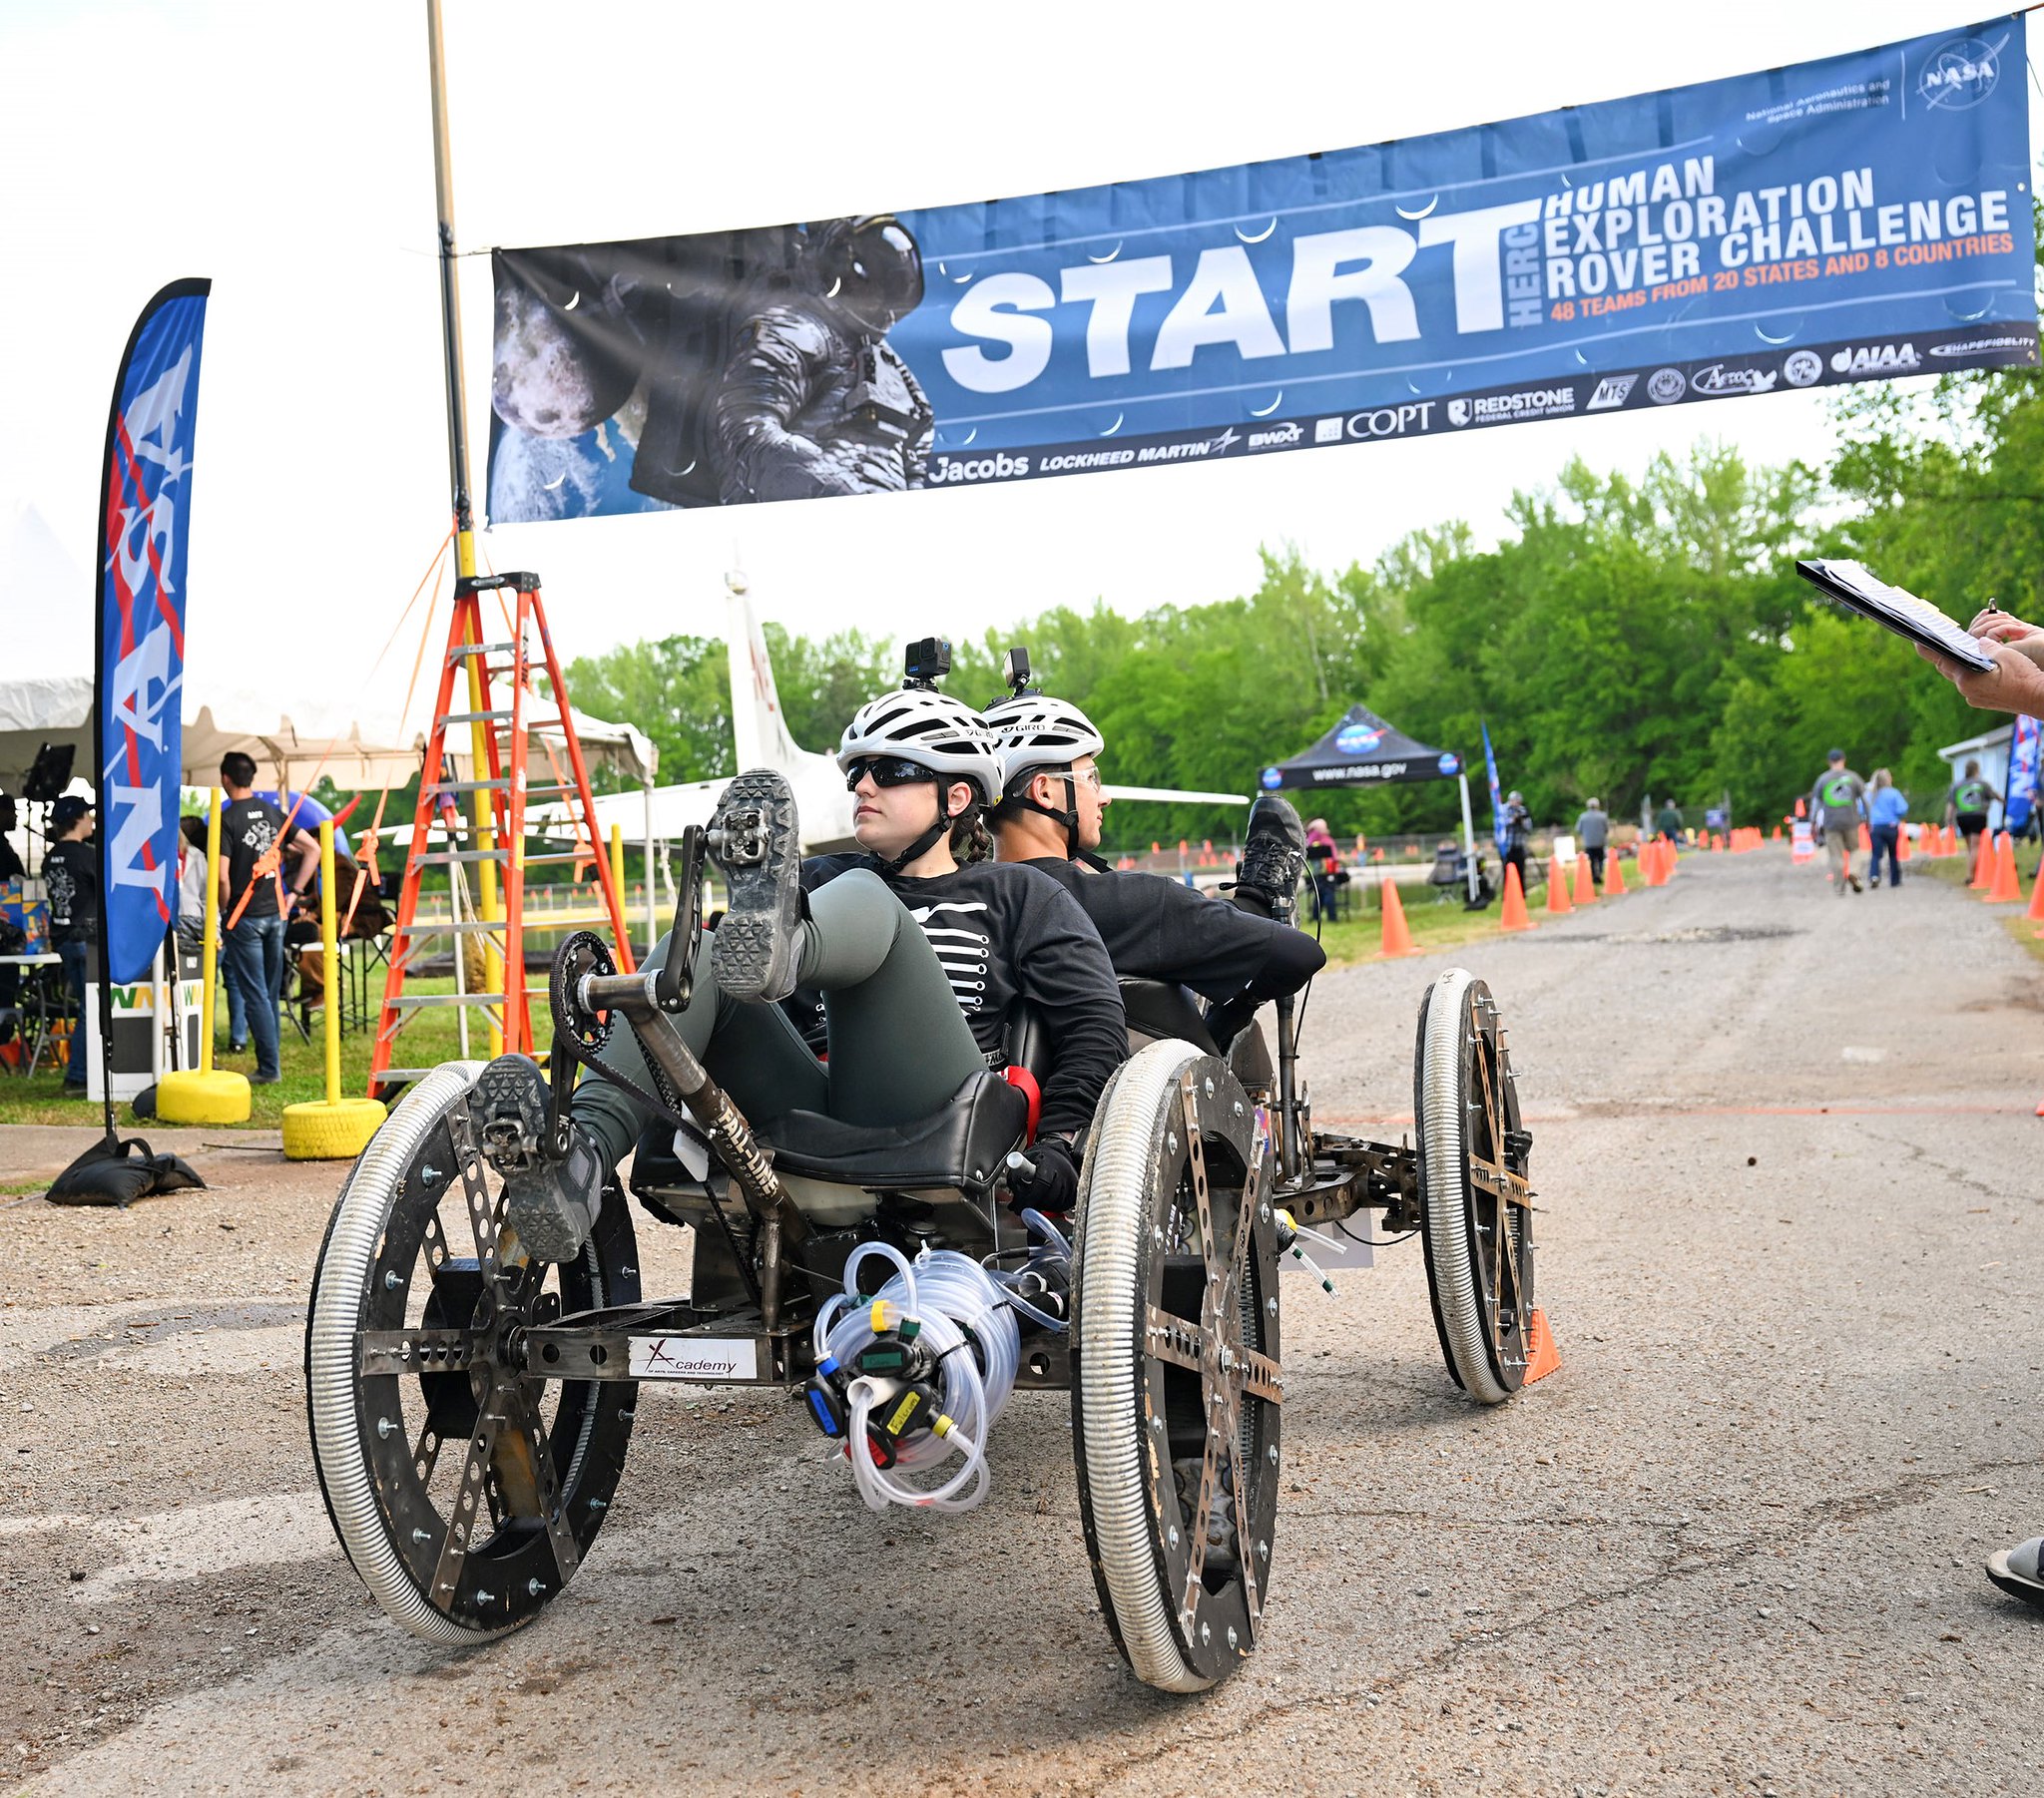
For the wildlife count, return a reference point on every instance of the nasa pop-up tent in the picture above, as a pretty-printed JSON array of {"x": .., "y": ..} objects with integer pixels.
[{"x": 1363, "y": 751}]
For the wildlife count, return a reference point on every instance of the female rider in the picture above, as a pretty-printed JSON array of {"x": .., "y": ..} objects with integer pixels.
[{"x": 907, "y": 964}]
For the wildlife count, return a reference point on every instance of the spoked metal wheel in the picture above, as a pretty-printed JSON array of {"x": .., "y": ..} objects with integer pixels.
[
  {"x": 1177, "y": 1386},
  {"x": 466, "y": 1492},
  {"x": 1475, "y": 1204}
]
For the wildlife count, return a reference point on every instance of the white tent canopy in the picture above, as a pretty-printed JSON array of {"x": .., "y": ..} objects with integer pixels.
[{"x": 291, "y": 748}]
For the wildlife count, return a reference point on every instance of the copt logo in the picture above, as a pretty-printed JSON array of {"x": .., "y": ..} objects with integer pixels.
[
  {"x": 1962, "y": 73},
  {"x": 1358, "y": 739},
  {"x": 1390, "y": 421},
  {"x": 1666, "y": 385},
  {"x": 1803, "y": 368}
]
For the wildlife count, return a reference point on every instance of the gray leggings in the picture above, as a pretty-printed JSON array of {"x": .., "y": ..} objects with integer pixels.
[{"x": 899, "y": 1043}]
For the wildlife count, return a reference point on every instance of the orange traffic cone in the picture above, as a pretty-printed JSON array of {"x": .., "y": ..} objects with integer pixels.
[
  {"x": 2036, "y": 911},
  {"x": 1586, "y": 888},
  {"x": 1650, "y": 862},
  {"x": 1542, "y": 1357},
  {"x": 1866, "y": 840},
  {"x": 2004, "y": 890},
  {"x": 1778, "y": 833},
  {"x": 1512, "y": 914},
  {"x": 1398, "y": 934},
  {"x": 1903, "y": 850},
  {"x": 1983, "y": 864},
  {"x": 1614, "y": 877},
  {"x": 1558, "y": 905}
]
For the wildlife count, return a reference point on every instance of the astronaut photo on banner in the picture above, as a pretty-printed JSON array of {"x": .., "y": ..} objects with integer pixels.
[{"x": 718, "y": 369}]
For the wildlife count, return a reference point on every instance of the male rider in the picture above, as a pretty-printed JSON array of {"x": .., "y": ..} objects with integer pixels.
[{"x": 1049, "y": 817}]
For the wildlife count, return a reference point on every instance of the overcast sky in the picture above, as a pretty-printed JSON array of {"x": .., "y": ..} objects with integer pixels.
[{"x": 286, "y": 151}]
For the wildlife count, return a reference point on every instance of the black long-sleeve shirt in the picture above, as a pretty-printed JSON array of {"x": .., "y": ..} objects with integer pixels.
[
  {"x": 1004, "y": 932},
  {"x": 1155, "y": 927}
]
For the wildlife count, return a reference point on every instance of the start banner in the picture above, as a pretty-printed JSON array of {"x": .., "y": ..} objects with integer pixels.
[{"x": 1854, "y": 219}]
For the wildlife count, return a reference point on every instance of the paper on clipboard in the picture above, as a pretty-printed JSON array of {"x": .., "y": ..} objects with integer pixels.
[{"x": 1900, "y": 611}]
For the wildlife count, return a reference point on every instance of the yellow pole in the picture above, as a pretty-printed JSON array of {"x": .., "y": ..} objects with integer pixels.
[
  {"x": 204, "y": 1094},
  {"x": 618, "y": 863},
  {"x": 210, "y": 951},
  {"x": 487, "y": 908},
  {"x": 329, "y": 948}
]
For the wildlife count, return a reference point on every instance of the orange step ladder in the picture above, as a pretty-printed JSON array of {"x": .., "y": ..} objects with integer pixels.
[{"x": 493, "y": 836}]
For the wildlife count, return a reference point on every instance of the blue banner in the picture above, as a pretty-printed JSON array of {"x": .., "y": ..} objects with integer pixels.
[
  {"x": 145, "y": 517},
  {"x": 1854, "y": 219},
  {"x": 1499, "y": 829},
  {"x": 2021, "y": 800}
]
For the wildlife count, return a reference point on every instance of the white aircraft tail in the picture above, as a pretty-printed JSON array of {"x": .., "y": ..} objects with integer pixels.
[{"x": 758, "y": 726}]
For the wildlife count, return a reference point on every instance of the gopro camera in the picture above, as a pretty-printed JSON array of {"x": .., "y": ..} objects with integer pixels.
[
  {"x": 1015, "y": 671},
  {"x": 928, "y": 660}
]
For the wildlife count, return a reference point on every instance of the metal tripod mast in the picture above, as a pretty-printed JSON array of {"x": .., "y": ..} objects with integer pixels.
[{"x": 480, "y": 742}]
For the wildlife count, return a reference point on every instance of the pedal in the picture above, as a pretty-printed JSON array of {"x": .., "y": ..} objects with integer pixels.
[
  {"x": 743, "y": 837},
  {"x": 509, "y": 1109}
]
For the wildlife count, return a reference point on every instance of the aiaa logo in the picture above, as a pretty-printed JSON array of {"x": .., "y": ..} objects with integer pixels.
[
  {"x": 1961, "y": 72},
  {"x": 1876, "y": 358}
]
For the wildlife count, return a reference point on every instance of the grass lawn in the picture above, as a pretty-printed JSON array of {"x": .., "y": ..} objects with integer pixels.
[
  {"x": 1434, "y": 926},
  {"x": 430, "y": 1037}
]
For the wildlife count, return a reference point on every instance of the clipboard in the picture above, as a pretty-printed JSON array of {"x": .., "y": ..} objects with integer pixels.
[{"x": 1860, "y": 589}]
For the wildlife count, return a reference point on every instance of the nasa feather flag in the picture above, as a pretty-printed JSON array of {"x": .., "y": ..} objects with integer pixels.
[
  {"x": 1499, "y": 828},
  {"x": 2022, "y": 773},
  {"x": 144, "y": 522}
]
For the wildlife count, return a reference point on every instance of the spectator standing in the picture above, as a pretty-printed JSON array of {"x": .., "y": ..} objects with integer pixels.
[
  {"x": 1966, "y": 806},
  {"x": 1518, "y": 829},
  {"x": 191, "y": 884},
  {"x": 254, "y": 893},
  {"x": 1668, "y": 822},
  {"x": 1593, "y": 832},
  {"x": 70, "y": 879},
  {"x": 1885, "y": 809},
  {"x": 1324, "y": 859},
  {"x": 10, "y": 863},
  {"x": 1837, "y": 802}
]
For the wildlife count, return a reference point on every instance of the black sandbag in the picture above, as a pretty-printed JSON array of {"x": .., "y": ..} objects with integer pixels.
[{"x": 113, "y": 1172}]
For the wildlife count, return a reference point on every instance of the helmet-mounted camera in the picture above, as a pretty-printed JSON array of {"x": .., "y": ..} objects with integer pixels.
[
  {"x": 1015, "y": 675},
  {"x": 927, "y": 662}
]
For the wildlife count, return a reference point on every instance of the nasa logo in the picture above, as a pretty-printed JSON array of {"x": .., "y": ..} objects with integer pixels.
[
  {"x": 1962, "y": 73},
  {"x": 1272, "y": 780},
  {"x": 1450, "y": 763},
  {"x": 1358, "y": 739}
]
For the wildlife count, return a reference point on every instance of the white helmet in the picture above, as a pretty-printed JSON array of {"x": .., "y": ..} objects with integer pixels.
[
  {"x": 930, "y": 729},
  {"x": 1033, "y": 730}
]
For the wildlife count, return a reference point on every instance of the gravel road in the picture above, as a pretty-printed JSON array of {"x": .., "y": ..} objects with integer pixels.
[{"x": 1790, "y": 1254}]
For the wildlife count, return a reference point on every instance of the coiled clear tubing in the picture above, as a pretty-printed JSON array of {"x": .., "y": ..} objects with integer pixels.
[{"x": 963, "y": 1309}]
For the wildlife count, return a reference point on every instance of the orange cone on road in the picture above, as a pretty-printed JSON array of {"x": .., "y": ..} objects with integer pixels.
[
  {"x": 1614, "y": 877},
  {"x": 1398, "y": 934},
  {"x": 1866, "y": 840},
  {"x": 2036, "y": 911},
  {"x": 1983, "y": 864},
  {"x": 1542, "y": 1357},
  {"x": 1586, "y": 888},
  {"x": 1903, "y": 852},
  {"x": 2005, "y": 889},
  {"x": 1512, "y": 914},
  {"x": 1558, "y": 905}
]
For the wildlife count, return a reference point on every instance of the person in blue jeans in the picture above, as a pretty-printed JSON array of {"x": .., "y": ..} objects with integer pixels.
[
  {"x": 1885, "y": 809},
  {"x": 70, "y": 879},
  {"x": 256, "y": 899}
]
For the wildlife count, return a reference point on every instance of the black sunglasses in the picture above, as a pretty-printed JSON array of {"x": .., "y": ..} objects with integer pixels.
[{"x": 887, "y": 770}]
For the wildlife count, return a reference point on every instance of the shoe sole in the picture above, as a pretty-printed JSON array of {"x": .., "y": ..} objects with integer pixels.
[
  {"x": 2013, "y": 1582},
  {"x": 507, "y": 1110},
  {"x": 758, "y": 853}
]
